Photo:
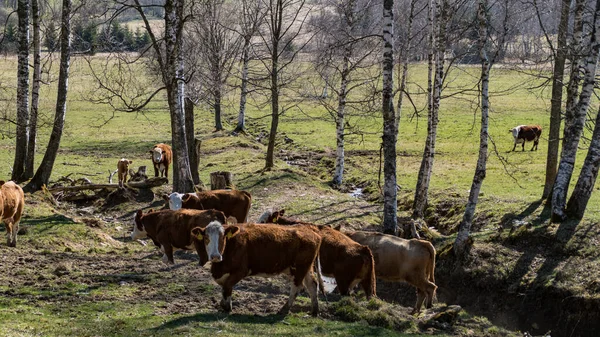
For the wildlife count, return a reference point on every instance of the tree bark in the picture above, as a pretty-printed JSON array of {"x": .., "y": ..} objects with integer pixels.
[
  {"x": 191, "y": 140},
  {"x": 18, "y": 173},
  {"x": 221, "y": 180},
  {"x": 338, "y": 175},
  {"x": 35, "y": 90},
  {"x": 42, "y": 175},
  {"x": 438, "y": 54},
  {"x": 464, "y": 229},
  {"x": 390, "y": 206},
  {"x": 173, "y": 77},
  {"x": 276, "y": 15},
  {"x": 403, "y": 59},
  {"x": 575, "y": 123},
  {"x": 241, "y": 124},
  {"x": 556, "y": 100},
  {"x": 217, "y": 104}
]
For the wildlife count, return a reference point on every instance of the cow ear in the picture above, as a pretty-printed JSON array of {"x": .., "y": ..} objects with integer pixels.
[
  {"x": 165, "y": 197},
  {"x": 163, "y": 152},
  {"x": 282, "y": 212},
  {"x": 338, "y": 228},
  {"x": 231, "y": 220},
  {"x": 131, "y": 162},
  {"x": 198, "y": 232},
  {"x": 231, "y": 231},
  {"x": 186, "y": 197}
]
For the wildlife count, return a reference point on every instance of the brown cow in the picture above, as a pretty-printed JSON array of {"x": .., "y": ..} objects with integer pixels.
[
  {"x": 397, "y": 259},
  {"x": 123, "y": 170},
  {"x": 171, "y": 229},
  {"x": 161, "y": 159},
  {"x": 12, "y": 202},
  {"x": 234, "y": 203},
  {"x": 238, "y": 251},
  {"x": 523, "y": 133},
  {"x": 340, "y": 257}
]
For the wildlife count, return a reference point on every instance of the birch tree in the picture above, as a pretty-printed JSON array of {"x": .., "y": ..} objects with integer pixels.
[
  {"x": 464, "y": 229},
  {"x": 589, "y": 172},
  {"x": 344, "y": 63},
  {"x": 284, "y": 22},
  {"x": 390, "y": 205},
  {"x": 560, "y": 56},
  {"x": 18, "y": 172},
  {"x": 440, "y": 16},
  {"x": 42, "y": 175},
  {"x": 35, "y": 89},
  {"x": 576, "y": 108},
  {"x": 253, "y": 12}
]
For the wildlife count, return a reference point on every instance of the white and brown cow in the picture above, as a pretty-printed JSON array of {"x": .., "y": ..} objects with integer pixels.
[
  {"x": 526, "y": 133},
  {"x": 348, "y": 262},
  {"x": 12, "y": 202},
  {"x": 234, "y": 203},
  {"x": 162, "y": 156},
  {"x": 123, "y": 170},
  {"x": 398, "y": 259},
  {"x": 238, "y": 251},
  {"x": 171, "y": 230}
]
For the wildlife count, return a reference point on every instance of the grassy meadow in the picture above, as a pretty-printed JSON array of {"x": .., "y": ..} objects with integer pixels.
[{"x": 74, "y": 272}]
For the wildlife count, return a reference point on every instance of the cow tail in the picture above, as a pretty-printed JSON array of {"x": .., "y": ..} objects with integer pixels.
[
  {"x": 320, "y": 283},
  {"x": 371, "y": 283},
  {"x": 249, "y": 205}
]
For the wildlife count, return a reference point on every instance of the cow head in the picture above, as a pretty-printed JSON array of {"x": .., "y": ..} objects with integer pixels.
[
  {"x": 157, "y": 154},
  {"x": 270, "y": 216},
  {"x": 139, "y": 232},
  {"x": 175, "y": 200},
  {"x": 515, "y": 131},
  {"x": 214, "y": 237}
]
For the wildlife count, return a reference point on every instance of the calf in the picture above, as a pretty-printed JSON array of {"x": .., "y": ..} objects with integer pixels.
[
  {"x": 123, "y": 170},
  {"x": 238, "y": 251},
  {"x": 171, "y": 229},
  {"x": 161, "y": 159},
  {"x": 397, "y": 259},
  {"x": 523, "y": 133},
  {"x": 347, "y": 261},
  {"x": 12, "y": 202},
  {"x": 231, "y": 202}
]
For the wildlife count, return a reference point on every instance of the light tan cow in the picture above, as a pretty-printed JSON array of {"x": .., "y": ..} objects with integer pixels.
[
  {"x": 397, "y": 259},
  {"x": 12, "y": 202},
  {"x": 123, "y": 170}
]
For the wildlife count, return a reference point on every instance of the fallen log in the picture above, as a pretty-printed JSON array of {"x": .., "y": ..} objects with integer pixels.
[{"x": 151, "y": 182}]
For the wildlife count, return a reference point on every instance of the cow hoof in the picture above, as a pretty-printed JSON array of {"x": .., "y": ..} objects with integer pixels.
[
  {"x": 12, "y": 244},
  {"x": 226, "y": 306},
  {"x": 284, "y": 310}
]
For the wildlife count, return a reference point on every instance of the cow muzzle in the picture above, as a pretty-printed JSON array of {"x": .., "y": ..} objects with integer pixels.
[{"x": 216, "y": 258}]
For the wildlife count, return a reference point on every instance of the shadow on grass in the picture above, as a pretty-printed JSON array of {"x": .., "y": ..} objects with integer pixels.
[{"x": 220, "y": 317}]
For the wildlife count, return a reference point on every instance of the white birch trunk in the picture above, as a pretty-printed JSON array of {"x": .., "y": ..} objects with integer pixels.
[
  {"x": 338, "y": 175},
  {"x": 574, "y": 125},
  {"x": 35, "y": 90},
  {"x": 18, "y": 172},
  {"x": 464, "y": 229},
  {"x": 389, "y": 123}
]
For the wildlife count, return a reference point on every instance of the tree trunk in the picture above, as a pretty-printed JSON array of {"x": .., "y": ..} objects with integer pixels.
[
  {"x": 241, "y": 124},
  {"x": 424, "y": 177},
  {"x": 42, "y": 175},
  {"x": 390, "y": 206},
  {"x": 556, "y": 100},
  {"x": 276, "y": 17},
  {"x": 575, "y": 123},
  {"x": 403, "y": 58},
  {"x": 338, "y": 175},
  {"x": 173, "y": 77},
  {"x": 221, "y": 180},
  {"x": 18, "y": 173},
  {"x": 460, "y": 245},
  {"x": 35, "y": 91},
  {"x": 191, "y": 140},
  {"x": 217, "y": 104}
]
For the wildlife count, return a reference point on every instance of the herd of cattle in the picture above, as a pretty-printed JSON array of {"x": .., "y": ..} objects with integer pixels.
[{"x": 215, "y": 224}]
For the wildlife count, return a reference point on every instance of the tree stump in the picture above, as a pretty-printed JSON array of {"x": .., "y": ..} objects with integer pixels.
[{"x": 221, "y": 180}]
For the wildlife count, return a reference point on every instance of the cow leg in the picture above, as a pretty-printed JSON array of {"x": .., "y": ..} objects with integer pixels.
[
  {"x": 168, "y": 256},
  {"x": 166, "y": 171},
  {"x": 9, "y": 231},
  {"x": 311, "y": 286},
  {"x": 227, "y": 284},
  {"x": 155, "y": 171},
  {"x": 420, "y": 298},
  {"x": 343, "y": 285},
  {"x": 15, "y": 232},
  {"x": 431, "y": 287},
  {"x": 535, "y": 145},
  {"x": 523, "y": 145},
  {"x": 514, "y": 146}
]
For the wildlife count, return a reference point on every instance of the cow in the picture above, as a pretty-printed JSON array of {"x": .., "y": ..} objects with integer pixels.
[
  {"x": 123, "y": 170},
  {"x": 234, "y": 203},
  {"x": 526, "y": 133},
  {"x": 12, "y": 203},
  {"x": 238, "y": 251},
  {"x": 340, "y": 257},
  {"x": 161, "y": 159},
  {"x": 171, "y": 230},
  {"x": 398, "y": 259}
]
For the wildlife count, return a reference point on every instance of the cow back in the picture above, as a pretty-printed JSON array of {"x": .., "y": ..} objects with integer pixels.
[
  {"x": 12, "y": 200},
  {"x": 234, "y": 203}
]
